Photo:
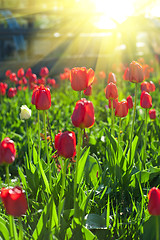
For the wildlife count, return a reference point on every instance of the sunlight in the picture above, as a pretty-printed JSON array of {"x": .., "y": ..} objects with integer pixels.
[{"x": 113, "y": 12}]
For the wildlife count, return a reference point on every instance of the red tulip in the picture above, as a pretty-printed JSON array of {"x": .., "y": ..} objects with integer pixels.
[
  {"x": 115, "y": 101},
  {"x": 152, "y": 87},
  {"x": 2, "y": 89},
  {"x": 126, "y": 74},
  {"x": 81, "y": 78},
  {"x": 111, "y": 91},
  {"x": 129, "y": 102},
  {"x": 12, "y": 92},
  {"x": 28, "y": 73},
  {"x": 136, "y": 74},
  {"x": 20, "y": 73},
  {"x": 121, "y": 109},
  {"x": 154, "y": 201},
  {"x": 41, "y": 98},
  {"x": 24, "y": 80},
  {"x": 88, "y": 91},
  {"x": 7, "y": 151},
  {"x": 14, "y": 201},
  {"x": 83, "y": 114},
  {"x": 146, "y": 100},
  {"x": 102, "y": 75},
  {"x": 13, "y": 77},
  {"x": 152, "y": 113},
  {"x": 44, "y": 72},
  {"x": 8, "y": 72},
  {"x": 145, "y": 86},
  {"x": 146, "y": 71},
  {"x": 65, "y": 144},
  {"x": 112, "y": 78}
]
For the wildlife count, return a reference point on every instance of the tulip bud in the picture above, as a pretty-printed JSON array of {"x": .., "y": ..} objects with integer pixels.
[
  {"x": 112, "y": 78},
  {"x": 14, "y": 201},
  {"x": 12, "y": 92},
  {"x": 115, "y": 101},
  {"x": 7, "y": 151},
  {"x": 65, "y": 144},
  {"x": 111, "y": 91},
  {"x": 146, "y": 100},
  {"x": 20, "y": 73},
  {"x": 126, "y": 74},
  {"x": 81, "y": 78},
  {"x": 136, "y": 74},
  {"x": 88, "y": 91},
  {"x": 44, "y": 72},
  {"x": 121, "y": 109},
  {"x": 152, "y": 114},
  {"x": 25, "y": 112},
  {"x": 145, "y": 86},
  {"x": 129, "y": 101},
  {"x": 152, "y": 87},
  {"x": 83, "y": 114},
  {"x": 154, "y": 201}
]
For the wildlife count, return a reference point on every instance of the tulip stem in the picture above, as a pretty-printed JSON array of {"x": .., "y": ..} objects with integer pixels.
[
  {"x": 80, "y": 133},
  {"x": 39, "y": 143},
  {"x": 119, "y": 136},
  {"x": 63, "y": 174},
  {"x": 145, "y": 140},
  {"x": 112, "y": 117},
  {"x": 48, "y": 161},
  {"x": 10, "y": 217},
  {"x": 20, "y": 228},
  {"x": 29, "y": 149},
  {"x": 133, "y": 120},
  {"x": 7, "y": 174},
  {"x": 157, "y": 228}
]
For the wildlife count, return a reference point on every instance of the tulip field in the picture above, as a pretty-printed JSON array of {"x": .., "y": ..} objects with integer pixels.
[{"x": 80, "y": 153}]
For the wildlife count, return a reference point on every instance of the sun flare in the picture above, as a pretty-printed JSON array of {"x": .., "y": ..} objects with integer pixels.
[{"x": 113, "y": 12}]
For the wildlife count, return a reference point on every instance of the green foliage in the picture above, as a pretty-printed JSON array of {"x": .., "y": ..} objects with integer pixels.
[{"x": 112, "y": 190}]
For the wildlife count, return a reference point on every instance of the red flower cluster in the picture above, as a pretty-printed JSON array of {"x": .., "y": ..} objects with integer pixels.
[
  {"x": 148, "y": 86},
  {"x": 14, "y": 201},
  {"x": 7, "y": 151}
]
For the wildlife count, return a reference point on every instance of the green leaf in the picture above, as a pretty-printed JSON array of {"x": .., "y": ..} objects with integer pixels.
[
  {"x": 35, "y": 156},
  {"x": 49, "y": 214},
  {"x": 92, "y": 169},
  {"x": 23, "y": 179},
  {"x": 81, "y": 165},
  {"x": 88, "y": 234},
  {"x": 44, "y": 177},
  {"x": 141, "y": 176},
  {"x": 3, "y": 229},
  {"x": 150, "y": 228},
  {"x": 134, "y": 145}
]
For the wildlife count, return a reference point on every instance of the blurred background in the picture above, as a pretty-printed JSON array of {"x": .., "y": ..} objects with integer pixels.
[{"x": 69, "y": 33}]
